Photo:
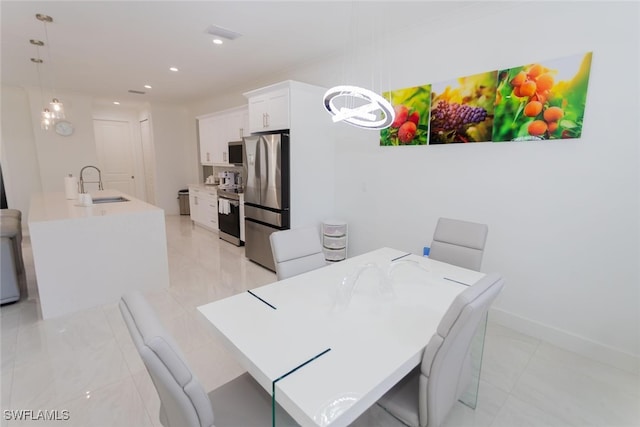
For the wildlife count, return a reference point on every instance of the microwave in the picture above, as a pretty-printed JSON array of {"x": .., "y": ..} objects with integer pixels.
[{"x": 236, "y": 152}]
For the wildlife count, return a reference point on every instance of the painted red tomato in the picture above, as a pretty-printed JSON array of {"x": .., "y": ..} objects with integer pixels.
[
  {"x": 402, "y": 113},
  {"x": 414, "y": 117},
  {"x": 407, "y": 132}
]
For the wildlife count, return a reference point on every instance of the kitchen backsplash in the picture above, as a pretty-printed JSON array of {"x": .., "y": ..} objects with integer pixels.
[{"x": 214, "y": 170}]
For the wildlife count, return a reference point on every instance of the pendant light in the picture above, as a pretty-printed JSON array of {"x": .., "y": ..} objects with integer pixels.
[
  {"x": 355, "y": 105},
  {"x": 56, "y": 108},
  {"x": 46, "y": 119}
]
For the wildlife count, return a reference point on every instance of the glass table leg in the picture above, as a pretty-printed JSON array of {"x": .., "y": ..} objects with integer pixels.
[{"x": 474, "y": 364}]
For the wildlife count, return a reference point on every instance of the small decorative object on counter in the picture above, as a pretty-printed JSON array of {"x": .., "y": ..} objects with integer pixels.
[
  {"x": 334, "y": 240},
  {"x": 70, "y": 187}
]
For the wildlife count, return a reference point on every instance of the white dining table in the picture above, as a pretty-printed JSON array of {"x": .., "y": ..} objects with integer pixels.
[{"x": 326, "y": 355}]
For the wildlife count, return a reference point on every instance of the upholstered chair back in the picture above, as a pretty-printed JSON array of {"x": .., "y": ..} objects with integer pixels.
[
  {"x": 444, "y": 359},
  {"x": 459, "y": 242},
  {"x": 184, "y": 402},
  {"x": 296, "y": 251}
]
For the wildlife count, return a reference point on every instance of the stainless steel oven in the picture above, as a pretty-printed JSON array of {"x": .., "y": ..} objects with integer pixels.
[{"x": 229, "y": 216}]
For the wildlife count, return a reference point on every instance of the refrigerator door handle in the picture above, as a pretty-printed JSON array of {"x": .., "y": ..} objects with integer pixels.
[
  {"x": 258, "y": 169},
  {"x": 263, "y": 170}
]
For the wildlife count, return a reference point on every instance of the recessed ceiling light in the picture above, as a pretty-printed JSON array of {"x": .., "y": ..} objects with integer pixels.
[
  {"x": 116, "y": 103},
  {"x": 173, "y": 69},
  {"x": 217, "y": 41},
  {"x": 147, "y": 86}
]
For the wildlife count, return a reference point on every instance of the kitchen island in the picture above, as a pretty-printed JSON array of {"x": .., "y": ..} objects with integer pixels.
[{"x": 86, "y": 256}]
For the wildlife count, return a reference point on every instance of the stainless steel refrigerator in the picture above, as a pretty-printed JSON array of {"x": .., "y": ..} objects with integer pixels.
[{"x": 266, "y": 193}]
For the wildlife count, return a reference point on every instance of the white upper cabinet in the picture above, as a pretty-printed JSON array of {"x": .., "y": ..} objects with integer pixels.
[
  {"x": 206, "y": 132},
  {"x": 238, "y": 125},
  {"x": 268, "y": 110},
  {"x": 217, "y": 130}
]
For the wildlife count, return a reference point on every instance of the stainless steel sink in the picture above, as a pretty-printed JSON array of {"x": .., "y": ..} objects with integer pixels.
[{"x": 114, "y": 199}]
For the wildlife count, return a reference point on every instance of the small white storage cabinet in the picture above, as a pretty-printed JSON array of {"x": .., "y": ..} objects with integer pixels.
[
  {"x": 203, "y": 206},
  {"x": 216, "y": 130},
  {"x": 334, "y": 240}
]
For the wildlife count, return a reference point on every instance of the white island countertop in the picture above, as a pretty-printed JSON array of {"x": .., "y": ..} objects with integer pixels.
[
  {"x": 87, "y": 256},
  {"x": 55, "y": 207}
]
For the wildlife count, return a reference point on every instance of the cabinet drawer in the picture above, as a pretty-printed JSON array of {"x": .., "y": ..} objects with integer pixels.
[
  {"x": 334, "y": 230},
  {"x": 334, "y": 242},
  {"x": 335, "y": 254}
]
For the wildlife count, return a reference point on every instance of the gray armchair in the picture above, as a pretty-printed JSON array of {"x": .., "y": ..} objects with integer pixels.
[
  {"x": 184, "y": 403},
  {"x": 425, "y": 397},
  {"x": 296, "y": 251},
  {"x": 459, "y": 243},
  {"x": 13, "y": 279}
]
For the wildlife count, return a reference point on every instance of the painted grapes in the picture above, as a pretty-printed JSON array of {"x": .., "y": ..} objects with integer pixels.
[{"x": 462, "y": 109}]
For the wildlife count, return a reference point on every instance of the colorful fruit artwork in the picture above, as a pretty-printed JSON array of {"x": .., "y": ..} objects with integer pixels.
[
  {"x": 542, "y": 101},
  {"x": 534, "y": 102},
  {"x": 462, "y": 109},
  {"x": 411, "y": 124}
]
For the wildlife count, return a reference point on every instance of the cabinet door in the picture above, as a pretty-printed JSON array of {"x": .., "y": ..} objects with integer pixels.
[
  {"x": 244, "y": 123},
  {"x": 220, "y": 140},
  {"x": 206, "y": 133},
  {"x": 234, "y": 126},
  {"x": 211, "y": 210},
  {"x": 257, "y": 113},
  {"x": 277, "y": 110},
  {"x": 195, "y": 205}
]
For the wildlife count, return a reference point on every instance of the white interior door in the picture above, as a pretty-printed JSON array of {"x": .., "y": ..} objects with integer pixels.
[
  {"x": 114, "y": 146},
  {"x": 148, "y": 160}
]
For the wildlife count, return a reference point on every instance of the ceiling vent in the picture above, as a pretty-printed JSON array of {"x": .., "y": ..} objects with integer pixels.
[
  {"x": 137, "y": 92},
  {"x": 214, "y": 30}
]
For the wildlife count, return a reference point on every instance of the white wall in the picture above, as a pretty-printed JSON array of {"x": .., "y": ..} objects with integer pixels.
[
  {"x": 58, "y": 155},
  {"x": 175, "y": 168},
  {"x": 19, "y": 159},
  {"x": 563, "y": 216}
]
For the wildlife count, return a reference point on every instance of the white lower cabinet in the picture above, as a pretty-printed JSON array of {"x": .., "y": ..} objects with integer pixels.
[{"x": 203, "y": 204}]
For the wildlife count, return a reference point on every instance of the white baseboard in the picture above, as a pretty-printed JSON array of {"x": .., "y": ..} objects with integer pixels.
[{"x": 568, "y": 341}]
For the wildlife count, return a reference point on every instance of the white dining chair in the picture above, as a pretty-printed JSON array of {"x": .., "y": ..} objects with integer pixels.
[
  {"x": 296, "y": 251},
  {"x": 425, "y": 397},
  {"x": 183, "y": 401},
  {"x": 459, "y": 243}
]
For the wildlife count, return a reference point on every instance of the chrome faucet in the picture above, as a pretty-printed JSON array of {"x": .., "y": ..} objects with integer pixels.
[{"x": 82, "y": 181}]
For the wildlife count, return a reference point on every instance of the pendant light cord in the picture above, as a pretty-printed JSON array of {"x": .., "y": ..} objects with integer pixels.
[
  {"x": 52, "y": 73},
  {"x": 38, "y": 62}
]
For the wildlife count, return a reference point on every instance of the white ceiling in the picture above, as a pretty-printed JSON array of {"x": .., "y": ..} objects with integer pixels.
[{"x": 105, "y": 48}]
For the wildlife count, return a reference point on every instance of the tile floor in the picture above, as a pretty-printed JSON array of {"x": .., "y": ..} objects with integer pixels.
[{"x": 86, "y": 363}]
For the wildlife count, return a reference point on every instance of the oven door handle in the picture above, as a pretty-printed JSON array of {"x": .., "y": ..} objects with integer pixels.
[{"x": 231, "y": 201}]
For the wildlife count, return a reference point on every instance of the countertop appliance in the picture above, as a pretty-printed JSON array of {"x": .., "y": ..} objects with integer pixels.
[
  {"x": 230, "y": 179},
  {"x": 266, "y": 194}
]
